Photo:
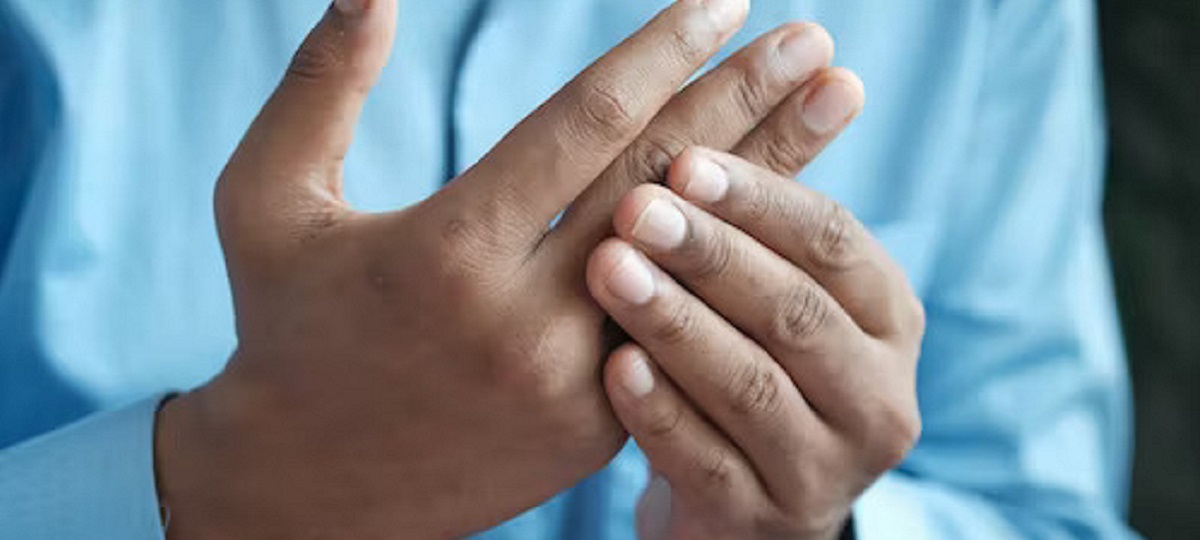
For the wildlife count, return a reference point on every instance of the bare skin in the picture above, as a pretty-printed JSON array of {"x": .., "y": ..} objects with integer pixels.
[
  {"x": 433, "y": 371},
  {"x": 781, "y": 382}
]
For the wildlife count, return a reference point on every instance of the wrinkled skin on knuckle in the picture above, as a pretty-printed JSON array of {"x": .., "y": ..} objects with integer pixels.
[
  {"x": 800, "y": 315},
  {"x": 664, "y": 424},
  {"x": 751, "y": 87},
  {"x": 785, "y": 152},
  {"x": 689, "y": 43},
  {"x": 716, "y": 473},
  {"x": 763, "y": 205},
  {"x": 708, "y": 255},
  {"x": 468, "y": 258},
  {"x": 677, "y": 325},
  {"x": 316, "y": 60},
  {"x": 756, "y": 393},
  {"x": 650, "y": 158},
  {"x": 604, "y": 112},
  {"x": 835, "y": 242}
]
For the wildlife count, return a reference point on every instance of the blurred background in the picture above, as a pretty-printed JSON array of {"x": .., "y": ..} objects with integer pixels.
[{"x": 1152, "y": 62}]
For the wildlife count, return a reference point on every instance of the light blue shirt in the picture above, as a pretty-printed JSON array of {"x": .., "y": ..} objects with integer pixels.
[{"x": 978, "y": 163}]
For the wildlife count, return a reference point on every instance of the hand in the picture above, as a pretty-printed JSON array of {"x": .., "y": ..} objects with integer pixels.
[
  {"x": 436, "y": 370},
  {"x": 780, "y": 383}
]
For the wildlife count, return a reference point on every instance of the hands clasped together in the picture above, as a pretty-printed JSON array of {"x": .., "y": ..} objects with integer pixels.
[{"x": 436, "y": 370}]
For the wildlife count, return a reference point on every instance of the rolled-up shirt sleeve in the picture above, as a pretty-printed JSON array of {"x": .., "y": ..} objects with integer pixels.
[
  {"x": 92, "y": 479},
  {"x": 1022, "y": 382}
]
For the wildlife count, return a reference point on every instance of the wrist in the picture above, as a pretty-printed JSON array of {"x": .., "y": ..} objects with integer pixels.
[
  {"x": 202, "y": 446},
  {"x": 182, "y": 471}
]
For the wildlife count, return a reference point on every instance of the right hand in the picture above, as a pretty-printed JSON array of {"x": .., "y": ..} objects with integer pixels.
[{"x": 436, "y": 370}]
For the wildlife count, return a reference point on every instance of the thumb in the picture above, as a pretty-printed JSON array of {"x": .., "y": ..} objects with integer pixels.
[{"x": 292, "y": 154}]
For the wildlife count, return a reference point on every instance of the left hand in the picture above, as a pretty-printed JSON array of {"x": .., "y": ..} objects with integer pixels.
[{"x": 781, "y": 382}]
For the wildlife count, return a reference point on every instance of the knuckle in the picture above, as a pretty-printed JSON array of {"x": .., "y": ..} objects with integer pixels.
[
  {"x": 760, "y": 203},
  {"x": 604, "y": 111},
  {"x": 712, "y": 257},
  {"x": 525, "y": 363},
  {"x": 315, "y": 60},
  {"x": 834, "y": 237},
  {"x": 690, "y": 44},
  {"x": 801, "y": 314},
  {"x": 897, "y": 430},
  {"x": 918, "y": 316},
  {"x": 751, "y": 91},
  {"x": 650, "y": 157},
  {"x": 783, "y": 152},
  {"x": 664, "y": 423},
  {"x": 458, "y": 259},
  {"x": 756, "y": 392},
  {"x": 716, "y": 471},
  {"x": 678, "y": 326}
]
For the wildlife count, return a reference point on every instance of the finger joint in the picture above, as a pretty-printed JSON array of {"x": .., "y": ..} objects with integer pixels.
[
  {"x": 801, "y": 314},
  {"x": 606, "y": 113},
  {"x": 678, "y": 326},
  {"x": 756, "y": 392},
  {"x": 834, "y": 238}
]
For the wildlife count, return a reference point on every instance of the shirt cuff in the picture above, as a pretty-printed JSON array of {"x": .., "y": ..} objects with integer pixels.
[{"x": 92, "y": 479}]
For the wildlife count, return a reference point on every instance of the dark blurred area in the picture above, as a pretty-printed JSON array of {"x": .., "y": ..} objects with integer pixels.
[{"x": 1152, "y": 63}]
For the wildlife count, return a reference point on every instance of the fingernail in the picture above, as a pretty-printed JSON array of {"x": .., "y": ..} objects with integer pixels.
[
  {"x": 707, "y": 181},
  {"x": 631, "y": 280},
  {"x": 351, "y": 7},
  {"x": 830, "y": 107},
  {"x": 805, "y": 51},
  {"x": 726, "y": 14},
  {"x": 639, "y": 379},
  {"x": 661, "y": 225}
]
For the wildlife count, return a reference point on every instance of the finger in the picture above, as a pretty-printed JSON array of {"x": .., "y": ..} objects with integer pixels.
[
  {"x": 807, "y": 228},
  {"x": 802, "y": 127},
  {"x": 700, "y": 464},
  {"x": 293, "y": 152},
  {"x": 766, "y": 296},
  {"x": 730, "y": 379},
  {"x": 550, "y": 157},
  {"x": 717, "y": 111}
]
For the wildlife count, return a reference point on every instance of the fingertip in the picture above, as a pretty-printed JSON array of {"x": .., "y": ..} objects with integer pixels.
[
  {"x": 619, "y": 277},
  {"x": 727, "y": 15},
  {"x": 828, "y": 45},
  {"x": 837, "y": 98},
  {"x": 600, "y": 264},
  {"x": 805, "y": 48},
  {"x": 349, "y": 46},
  {"x": 630, "y": 208},
  {"x": 849, "y": 78},
  {"x": 700, "y": 175},
  {"x": 629, "y": 372}
]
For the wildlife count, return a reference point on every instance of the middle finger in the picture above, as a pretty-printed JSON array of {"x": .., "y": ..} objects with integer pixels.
[{"x": 718, "y": 110}]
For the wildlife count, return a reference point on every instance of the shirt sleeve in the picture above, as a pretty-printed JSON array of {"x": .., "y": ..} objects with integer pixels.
[
  {"x": 1022, "y": 381},
  {"x": 92, "y": 479}
]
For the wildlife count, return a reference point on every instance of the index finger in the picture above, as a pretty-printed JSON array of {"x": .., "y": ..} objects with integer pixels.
[{"x": 554, "y": 154}]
